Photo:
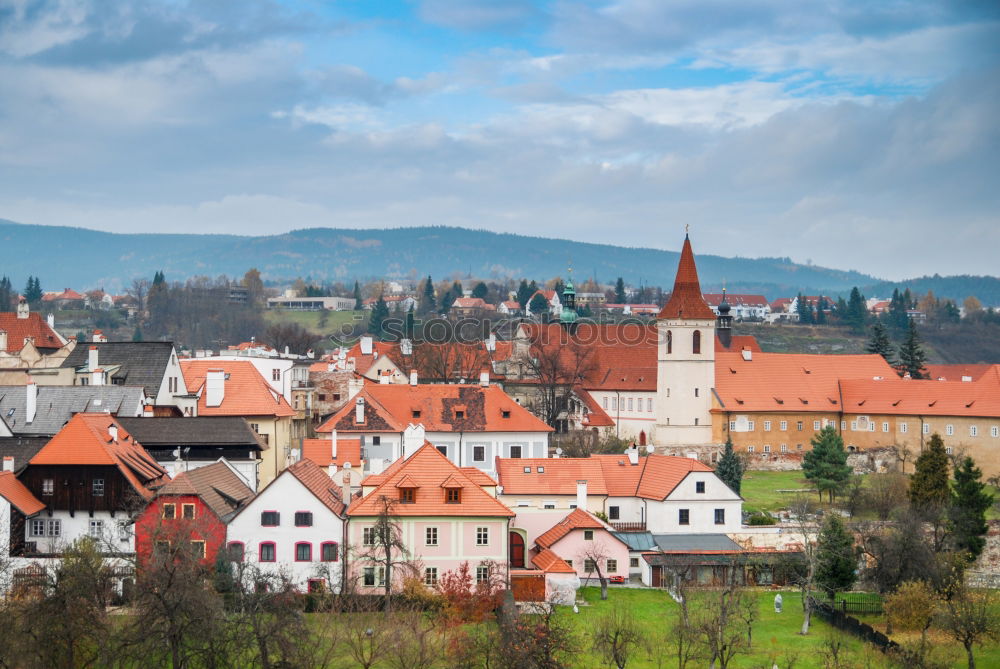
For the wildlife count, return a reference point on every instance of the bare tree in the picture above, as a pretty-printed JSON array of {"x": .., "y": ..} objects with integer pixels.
[
  {"x": 366, "y": 634},
  {"x": 387, "y": 552},
  {"x": 886, "y": 493},
  {"x": 138, "y": 289},
  {"x": 971, "y": 617},
  {"x": 724, "y": 622},
  {"x": 803, "y": 511},
  {"x": 557, "y": 362},
  {"x": 417, "y": 643},
  {"x": 616, "y": 635},
  {"x": 447, "y": 361},
  {"x": 594, "y": 555}
]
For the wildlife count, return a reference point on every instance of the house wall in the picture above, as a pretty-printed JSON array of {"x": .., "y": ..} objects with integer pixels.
[
  {"x": 173, "y": 370},
  {"x": 574, "y": 548},
  {"x": 286, "y": 495},
  {"x": 151, "y": 527},
  {"x": 456, "y": 543},
  {"x": 117, "y": 534},
  {"x": 629, "y": 422},
  {"x": 275, "y": 457}
]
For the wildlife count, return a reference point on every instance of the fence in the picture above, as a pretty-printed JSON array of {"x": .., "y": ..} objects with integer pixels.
[
  {"x": 860, "y": 603},
  {"x": 861, "y": 630}
]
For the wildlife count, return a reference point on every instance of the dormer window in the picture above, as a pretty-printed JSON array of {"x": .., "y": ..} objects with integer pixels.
[
  {"x": 453, "y": 495},
  {"x": 459, "y": 413},
  {"x": 407, "y": 495},
  {"x": 416, "y": 413},
  {"x": 505, "y": 413}
]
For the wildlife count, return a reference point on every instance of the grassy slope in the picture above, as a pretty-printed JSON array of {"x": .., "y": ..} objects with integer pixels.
[{"x": 310, "y": 319}]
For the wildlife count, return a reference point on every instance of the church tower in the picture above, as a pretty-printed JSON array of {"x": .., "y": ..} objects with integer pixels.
[{"x": 685, "y": 373}]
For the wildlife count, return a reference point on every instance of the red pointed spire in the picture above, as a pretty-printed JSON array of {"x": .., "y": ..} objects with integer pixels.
[{"x": 686, "y": 302}]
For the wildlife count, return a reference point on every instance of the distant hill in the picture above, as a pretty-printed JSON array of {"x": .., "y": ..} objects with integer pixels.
[
  {"x": 986, "y": 288},
  {"x": 81, "y": 258}
]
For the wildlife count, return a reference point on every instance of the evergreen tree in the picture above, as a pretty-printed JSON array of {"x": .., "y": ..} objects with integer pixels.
[
  {"x": 826, "y": 464},
  {"x": 480, "y": 290},
  {"x": 137, "y": 334},
  {"x": 803, "y": 309},
  {"x": 33, "y": 290},
  {"x": 6, "y": 295},
  {"x": 539, "y": 304},
  {"x": 912, "y": 358},
  {"x": 730, "y": 469},
  {"x": 929, "y": 483},
  {"x": 898, "y": 319},
  {"x": 524, "y": 294},
  {"x": 428, "y": 304},
  {"x": 857, "y": 311},
  {"x": 358, "y": 302},
  {"x": 380, "y": 312},
  {"x": 878, "y": 342},
  {"x": 559, "y": 287},
  {"x": 821, "y": 308},
  {"x": 970, "y": 502},
  {"x": 410, "y": 324},
  {"x": 836, "y": 557},
  {"x": 620, "y": 291}
]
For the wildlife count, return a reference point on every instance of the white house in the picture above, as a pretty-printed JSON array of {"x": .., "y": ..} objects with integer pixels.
[{"x": 294, "y": 528}]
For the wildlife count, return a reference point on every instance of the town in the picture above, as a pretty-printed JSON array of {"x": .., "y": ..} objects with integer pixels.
[{"x": 551, "y": 458}]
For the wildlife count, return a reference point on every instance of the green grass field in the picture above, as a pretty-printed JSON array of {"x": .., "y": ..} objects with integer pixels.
[
  {"x": 310, "y": 320},
  {"x": 761, "y": 489}
]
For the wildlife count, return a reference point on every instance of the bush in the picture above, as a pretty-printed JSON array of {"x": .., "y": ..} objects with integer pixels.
[{"x": 761, "y": 518}]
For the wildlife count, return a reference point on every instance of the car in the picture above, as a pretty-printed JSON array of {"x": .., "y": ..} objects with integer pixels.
[{"x": 617, "y": 579}]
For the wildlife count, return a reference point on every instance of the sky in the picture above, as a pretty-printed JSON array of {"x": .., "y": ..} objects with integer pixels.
[{"x": 854, "y": 135}]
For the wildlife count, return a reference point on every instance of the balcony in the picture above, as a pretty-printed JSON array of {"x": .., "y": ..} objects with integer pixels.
[{"x": 628, "y": 527}]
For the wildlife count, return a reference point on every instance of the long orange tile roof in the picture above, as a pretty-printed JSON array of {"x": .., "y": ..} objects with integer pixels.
[
  {"x": 577, "y": 519},
  {"x": 790, "y": 382},
  {"x": 85, "y": 440},
  {"x": 909, "y": 397},
  {"x": 246, "y": 391},
  {"x": 558, "y": 476},
  {"x": 320, "y": 451},
  {"x": 427, "y": 470},
  {"x": 441, "y": 408},
  {"x": 549, "y": 562},
  {"x": 686, "y": 301},
  {"x": 957, "y": 372},
  {"x": 18, "y": 495},
  {"x": 654, "y": 477}
]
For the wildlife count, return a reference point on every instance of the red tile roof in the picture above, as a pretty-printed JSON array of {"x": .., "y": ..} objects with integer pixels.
[
  {"x": 320, "y": 451},
  {"x": 956, "y": 372},
  {"x": 391, "y": 408},
  {"x": 655, "y": 477},
  {"x": 34, "y": 325},
  {"x": 85, "y": 440},
  {"x": 427, "y": 470},
  {"x": 596, "y": 416},
  {"x": 577, "y": 519},
  {"x": 551, "y": 563},
  {"x": 685, "y": 301},
  {"x": 18, "y": 495},
  {"x": 67, "y": 294},
  {"x": 246, "y": 394},
  {"x": 790, "y": 382},
  {"x": 558, "y": 476},
  {"x": 316, "y": 480},
  {"x": 908, "y": 397},
  {"x": 216, "y": 484}
]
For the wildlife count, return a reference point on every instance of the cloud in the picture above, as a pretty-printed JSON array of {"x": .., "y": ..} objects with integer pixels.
[{"x": 472, "y": 15}]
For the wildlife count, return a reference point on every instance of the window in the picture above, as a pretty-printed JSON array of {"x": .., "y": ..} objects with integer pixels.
[
  {"x": 482, "y": 536},
  {"x": 124, "y": 530},
  {"x": 459, "y": 413},
  {"x": 720, "y": 516},
  {"x": 751, "y": 448},
  {"x": 903, "y": 427},
  {"x": 696, "y": 392},
  {"x": 368, "y": 536},
  {"x": 696, "y": 342},
  {"x": 973, "y": 431},
  {"x": 605, "y": 402},
  {"x": 767, "y": 426},
  {"x": 649, "y": 405},
  {"x": 479, "y": 454},
  {"x": 540, "y": 470},
  {"x": 843, "y": 425},
  {"x": 683, "y": 517},
  {"x": 96, "y": 528},
  {"x": 48, "y": 486},
  {"x": 548, "y": 505},
  {"x": 255, "y": 427},
  {"x": 169, "y": 511},
  {"x": 589, "y": 565},
  {"x": 303, "y": 552},
  {"x": 699, "y": 486},
  {"x": 767, "y": 448},
  {"x": 750, "y": 425},
  {"x": 376, "y": 441},
  {"x": 368, "y": 576},
  {"x": 613, "y": 513},
  {"x": 948, "y": 450},
  {"x": 270, "y": 519},
  {"x": 431, "y": 536},
  {"x": 430, "y": 576},
  {"x": 798, "y": 426},
  {"x": 275, "y": 374},
  {"x": 995, "y": 431},
  {"x": 198, "y": 549},
  {"x": 187, "y": 511},
  {"x": 612, "y": 566},
  {"x": 97, "y": 487},
  {"x": 816, "y": 426},
  {"x": 633, "y": 563},
  {"x": 235, "y": 551},
  {"x": 443, "y": 450},
  {"x": 453, "y": 495},
  {"x": 588, "y": 535},
  {"x": 515, "y": 451},
  {"x": 407, "y": 495},
  {"x": 784, "y": 448},
  {"x": 871, "y": 426},
  {"x": 670, "y": 341},
  {"x": 854, "y": 426},
  {"x": 732, "y": 426},
  {"x": 37, "y": 528},
  {"x": 569, "y": 562},
  {"x": 527, "y": 470},
  {"x": 630, "y": 404},
  {"x": 783, "y": 425},
  {"x": 329, "y": 551},
  {"x": 267, "y": 551},
  {"x": 614, "y": 403},
  {"x": 303, "y": 519},
  {"x": 482, "y": 574},
  {"x": 926, "y": 428},
  {"x": 885, "y": 426}
]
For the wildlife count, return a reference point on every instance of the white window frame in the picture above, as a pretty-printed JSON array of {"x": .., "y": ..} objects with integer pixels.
[
  {"x": 430, "y": 576},
  {"x": 767, "y": 426},
  {"x": 973, "y": 431},
  {"x": 816, "y": 426},
  {"x": 885, "y": 426},
  {"x": 482, "y": 536},
  {"x": 783, "y": 426},
  {"x": 96, "y": 528},
  {"x": 904, "y": 427},
  {"x": 430, "y": 536},
  {"x": 995, "y": 431},
  {"x": 949, "y": 429}
]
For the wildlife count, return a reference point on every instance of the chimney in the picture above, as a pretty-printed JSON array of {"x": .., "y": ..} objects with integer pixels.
[
  {"x": 345, "y": 481},
  {"x": 97, "y": 377},
  {"x": 406, "y": 346},
  {"x": 3, "y": 340},
  {"x": 413, "y": 377},
  {"x": 581, "y": 494},
  {"x": 366, "y": 345},
  {"x": 354, "y": 387},
  {"x": 414, "y": 437},
  {"x": 147, "y": 411},
  {"x": 215, "y": 387},
  {"x": 286, "y": 351},
  {"x": 92, "y": 356},
  {"x": 359, "y": 410},
  {"x": 491, "y": 343},
  {"x": 8, "y": 463},
  {"x": 30, "y": 400},
  {"x": 385, "y": 377},
  {"x": 633, "y": 454},
  {"x": 484, "y": 378},
  {"x": 333, "y": 446},
  {"x": 51, "y": 320},
  {"x": 22, "y": 308},
  {"x": 99, "y": 336},
  {"x": 113, "y": 432}
]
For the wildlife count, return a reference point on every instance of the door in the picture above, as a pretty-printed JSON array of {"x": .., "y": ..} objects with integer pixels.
[
  {"x": 657, "y": 576},
  {"x": 516, "y": 550}
]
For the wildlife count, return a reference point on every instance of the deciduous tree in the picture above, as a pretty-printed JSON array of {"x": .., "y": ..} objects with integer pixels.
[
  {"x": 617, "y": 636},
  {"x": 971, "y": 617}
]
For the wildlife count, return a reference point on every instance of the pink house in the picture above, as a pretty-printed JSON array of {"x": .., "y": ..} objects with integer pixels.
[
  {"x": 444, "y": 515},
  {"x": 585, "y": 543}
]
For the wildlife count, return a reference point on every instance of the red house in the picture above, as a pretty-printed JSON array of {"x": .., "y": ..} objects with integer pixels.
[{"x": 193, "y": 508}]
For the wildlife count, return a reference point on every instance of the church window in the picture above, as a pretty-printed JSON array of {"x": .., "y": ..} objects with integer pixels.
[
  {"x": 670, "y": 342},
  {"x": 696, "y": 342}
]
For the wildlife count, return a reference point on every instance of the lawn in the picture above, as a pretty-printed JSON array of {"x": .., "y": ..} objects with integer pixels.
[
  {"x": 761, "y": 489},
  {"x": 776, "y": 636},
  {"x": 310, "y": 320}
]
